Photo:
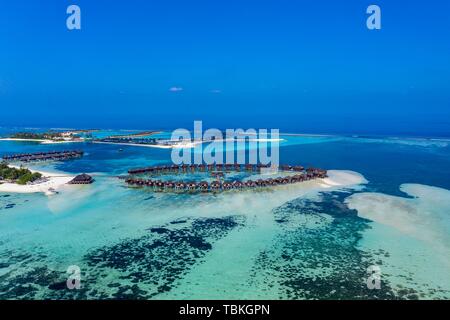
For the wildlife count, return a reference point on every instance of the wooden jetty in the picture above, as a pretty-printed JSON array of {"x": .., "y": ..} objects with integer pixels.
[
  {"x": 82, "y": 179},
  {"x": 44, "y": 156},
  {"x": 300, "y": 174}
]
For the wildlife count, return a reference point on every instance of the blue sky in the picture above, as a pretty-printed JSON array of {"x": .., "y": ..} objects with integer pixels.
[{"x": 301, "y": 66}]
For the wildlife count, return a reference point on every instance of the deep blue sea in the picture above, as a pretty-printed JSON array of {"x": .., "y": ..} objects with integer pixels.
[{"x": 304, "y": 243}]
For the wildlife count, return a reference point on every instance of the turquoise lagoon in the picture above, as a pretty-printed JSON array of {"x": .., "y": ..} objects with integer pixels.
[{"x": 307, "y": 243}]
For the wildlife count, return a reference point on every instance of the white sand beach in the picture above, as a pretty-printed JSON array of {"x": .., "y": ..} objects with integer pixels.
[
  {"x": 52, "y": 181},
  {"x": 28, "y": 140},
  {"x": 422, "y": 217},
  {"x": 41, "y": 141},
  {"x": 179, "y": 145},
  {"x": 249, "y": 140},
  {"x": 342, "y": 178},
  {"x": 186, "y": 145},
  {"x": 335, "y": 179},
  {"x": 62, "y": 141},
  {"x": 140, "y": 145}
]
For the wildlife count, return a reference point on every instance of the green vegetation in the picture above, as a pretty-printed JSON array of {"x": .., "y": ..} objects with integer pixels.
[
  {"x": 37, "y": 136},
  {"x": 20, "y": 176}
]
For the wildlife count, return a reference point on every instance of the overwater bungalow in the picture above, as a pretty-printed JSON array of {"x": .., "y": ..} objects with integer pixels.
[
  {"x": 248, "y": 167},
  {"x": 158, "y": 184},
  {"x": 204, "y": 186},
  {"x": 237, "y": 184},
  {"x": 45, "y": 156},
  {"x": 169, "y": 185},
  {"x": 284, "y": 167},
  {"x": 300, "y": 175},
  {"x": 251, "y": 183},
  {"x": 82, "y": 179},
  {"x": 192, "y": 186},
  {"x": 227, "y": 186},
  {"x": 215, "y": 185},
  {"x": 180, "y": 185}
]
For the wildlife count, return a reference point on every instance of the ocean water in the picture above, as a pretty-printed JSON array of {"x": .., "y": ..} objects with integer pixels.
[{"x": 303, "y": 242}]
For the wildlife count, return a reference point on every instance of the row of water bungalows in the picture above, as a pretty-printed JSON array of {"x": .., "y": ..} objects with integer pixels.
[
  {"x": 211, "y": 167},
  {"x": 127, "y": 140},
  {"x": 217, "y": 186},
  {"x": 45, "y": 156}
]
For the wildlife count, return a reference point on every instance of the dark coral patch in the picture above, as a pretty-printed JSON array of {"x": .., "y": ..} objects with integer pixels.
[
  {"x": 138, "y": 268},
  {"x": 320, "y": 258},
  {"x": 159, "y": 230}
]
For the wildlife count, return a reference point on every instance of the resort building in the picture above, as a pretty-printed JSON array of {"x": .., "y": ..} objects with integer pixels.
[{"x": 82, "y": 179}]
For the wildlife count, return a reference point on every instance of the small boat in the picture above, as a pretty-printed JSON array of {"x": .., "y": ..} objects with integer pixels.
[
  {"x": 120, "y": 150},
  {"x": 51, "y": 192}
]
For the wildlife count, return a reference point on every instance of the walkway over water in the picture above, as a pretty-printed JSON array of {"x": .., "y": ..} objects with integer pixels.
[
  {"x": 218, "y": 171},
  {"x": 45, "y": 156}
]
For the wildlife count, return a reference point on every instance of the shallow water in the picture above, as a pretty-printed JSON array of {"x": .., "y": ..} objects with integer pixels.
[
  {"x": 289, "y": 243},
  {"x": 415, "y": 230}
]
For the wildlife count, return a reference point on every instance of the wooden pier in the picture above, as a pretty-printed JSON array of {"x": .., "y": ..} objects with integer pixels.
[
  {"x": 44, "y": 156},
  {"x": 300, "y": 174}
]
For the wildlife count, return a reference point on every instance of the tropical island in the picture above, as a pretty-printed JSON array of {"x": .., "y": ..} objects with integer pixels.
[
  {"x": 19, "y": 175},
  {"x": 49, "y": 137},
  {"x": 23, "y": 180},
  {"x": 18, "y": 179},
  {"x": 36, "y": 136},
  {"x": 135, "y": 135}
]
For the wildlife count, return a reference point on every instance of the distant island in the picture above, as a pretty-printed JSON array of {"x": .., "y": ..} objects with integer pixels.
[
  {"x": 37, "y": 136},
  {"x": 50, "y": 137},
  {"x": 135, "y": 135}
]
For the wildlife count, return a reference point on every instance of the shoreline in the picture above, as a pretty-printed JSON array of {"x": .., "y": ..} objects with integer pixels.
[
  {"x": 135, "y": 144},
  {"x": 187, "y": 145},
  {"x": 138, "y": 134},
  {"x": 40, "y": 141},
  {"x": 54, "y": 181}
]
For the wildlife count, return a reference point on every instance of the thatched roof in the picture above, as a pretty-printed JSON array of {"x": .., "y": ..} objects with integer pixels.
[{"x": 82, "y": 178}]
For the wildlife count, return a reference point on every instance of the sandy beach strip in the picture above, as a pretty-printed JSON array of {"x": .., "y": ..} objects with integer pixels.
[
  {"x": 41, "y": 141},
  {"x": 160, "y": 146},
  {"x": 183, "y": 145},
  {"x": 28, "y": 140},
  {"x": 53, "y": 181},
  {"x": 307, "y": 134},
  {"x": 136, "y": 135},
  {"x": 64, "y": 141},
  {"x": 135, "y": 144}
]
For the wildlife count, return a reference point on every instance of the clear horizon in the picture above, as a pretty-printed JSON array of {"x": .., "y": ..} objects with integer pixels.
[
  {"x": 273, "y": 64},
  {"x": 168, "y": 130}
]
